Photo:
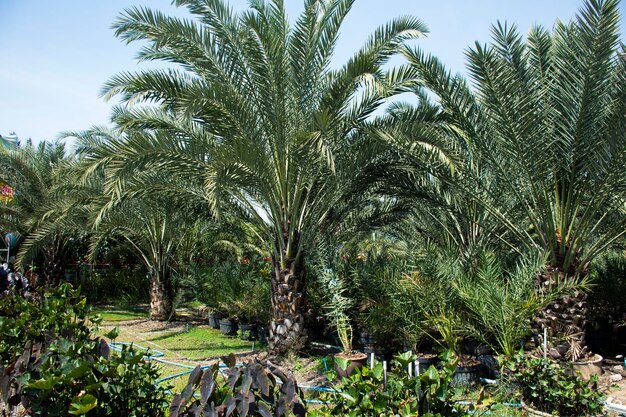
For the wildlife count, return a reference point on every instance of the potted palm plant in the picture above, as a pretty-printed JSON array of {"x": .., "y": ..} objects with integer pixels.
[
  {"x": 253, "y": 305},
  {"x": 348, "y": 359},
  {"x": 448, "y": 325}
]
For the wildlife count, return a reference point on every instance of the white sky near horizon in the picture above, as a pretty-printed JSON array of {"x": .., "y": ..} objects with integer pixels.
[{"x": 56, "y": 55}]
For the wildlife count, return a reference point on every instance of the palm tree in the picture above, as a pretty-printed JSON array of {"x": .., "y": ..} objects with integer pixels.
[
  {"x": 258, "y": 115},
  {"x": 151, "y": 228},
  {"x": 32, "y": 171},
  {"x": 546, "y": 120},
  {"x": 154, "y": 216}
]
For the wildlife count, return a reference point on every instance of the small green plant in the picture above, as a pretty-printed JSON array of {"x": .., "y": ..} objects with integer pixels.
[
  {"x": 546, "y": 386},
  {"x": 344, "y": 332},
  {"x": 253, "y": 389},
  {"x": 368, "y": 392}
]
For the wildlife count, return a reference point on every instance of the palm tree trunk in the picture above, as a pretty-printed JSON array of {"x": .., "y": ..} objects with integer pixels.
[
  {"x": 564, "y": 318},
  {"x": 53, "y": 270},
  {"x": 161, "y": 297},
  {"x": 287, "y": 330}
]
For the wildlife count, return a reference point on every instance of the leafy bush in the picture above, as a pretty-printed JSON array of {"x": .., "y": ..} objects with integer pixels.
[
  {"x": 606, "y": 300},
  {"x": 248, "y": 390},
  {"x": 374, "y": 286},
  {"x": 546, "y": 386},
  {"x": 77, "y": 378},
  {"x": 63, "y": 370},
  {"x": 366, "y": 393},
  {"x": 61, "y": 311}
]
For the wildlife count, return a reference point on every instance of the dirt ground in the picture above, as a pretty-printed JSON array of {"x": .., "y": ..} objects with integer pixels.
[{"x": 614, "y": 382}]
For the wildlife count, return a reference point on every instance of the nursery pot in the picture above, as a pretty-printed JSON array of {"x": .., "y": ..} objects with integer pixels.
[
  {"x": 425, "y": 360},
  {"x": 368, "y": 341},
  {"x": 356, "y": 361},
  {"x": 263, "y": 334},
  {"x": 466, "y": 374},
  {"x": 228, "y": 327},
  {"x": 588, "y": 368},
  {"x": 248, "y": 331},
  {"x": 214, "y": 319}
]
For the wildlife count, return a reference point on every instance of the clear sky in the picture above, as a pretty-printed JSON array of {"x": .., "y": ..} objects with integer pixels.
[{"x": 55, "y": 55}]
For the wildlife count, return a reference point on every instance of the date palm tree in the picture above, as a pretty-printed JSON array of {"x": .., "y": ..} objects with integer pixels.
[
  {"x": 546, "y": 120},
  {"x": 32, "y": 171},
  {"x": 256, "y": 112},
  {"x": 154, "y": 216}
]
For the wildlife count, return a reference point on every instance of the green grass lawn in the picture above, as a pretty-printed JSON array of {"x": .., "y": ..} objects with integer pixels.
[
  {"x": 120, "y": 314},
  {"x": 200, "y": 343}
]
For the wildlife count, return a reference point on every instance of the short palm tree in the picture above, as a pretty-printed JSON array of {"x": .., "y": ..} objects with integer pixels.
[
  {"x": 260, "y": 117},
  {"x": 546, "y": 120},
  {"x": 144, "y": 217},
  {"x": 149, "y": 228},
  {"x": 32, "y": 171}
]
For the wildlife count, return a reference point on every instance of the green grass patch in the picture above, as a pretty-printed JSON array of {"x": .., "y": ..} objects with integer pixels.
[
  {"x": 118, "y": 314},
  {"x": 201, "y": 343}
]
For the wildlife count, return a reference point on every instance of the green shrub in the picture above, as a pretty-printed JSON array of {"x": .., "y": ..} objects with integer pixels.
[
  {"x": 235, "y": 288},
  {"x": 606, "y": 300},
  {"x": 62, "y": 370},
  {"x": 546, "y": 386},
  {"x": 365, "y": 393},
  {"x": 123, "y": 286},
  {"x": 61, "y": 311}
]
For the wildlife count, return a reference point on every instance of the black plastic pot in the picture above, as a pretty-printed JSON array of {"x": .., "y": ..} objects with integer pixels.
[
  {"x": 228, "y": 327},
  {"x": 214, "y": 319},
  {"x": 372, "y": 345},
  {"x": 248, "y": 331},
  {"x": 426, "y": 361},
  {"x": 466, "y": 375},
  {"x": 263, "y": 334},
  {"x": 368, "y": 341}
]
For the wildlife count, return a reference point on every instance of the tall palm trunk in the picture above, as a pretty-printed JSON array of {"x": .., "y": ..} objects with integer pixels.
[
  {"x": 564, "y": 318},
  {"x": 287, "y": 330},
  {"x": 161, "y": 297}
]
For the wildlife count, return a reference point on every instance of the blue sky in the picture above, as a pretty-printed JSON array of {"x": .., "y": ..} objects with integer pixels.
[{"x": 56, "y": 55}]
